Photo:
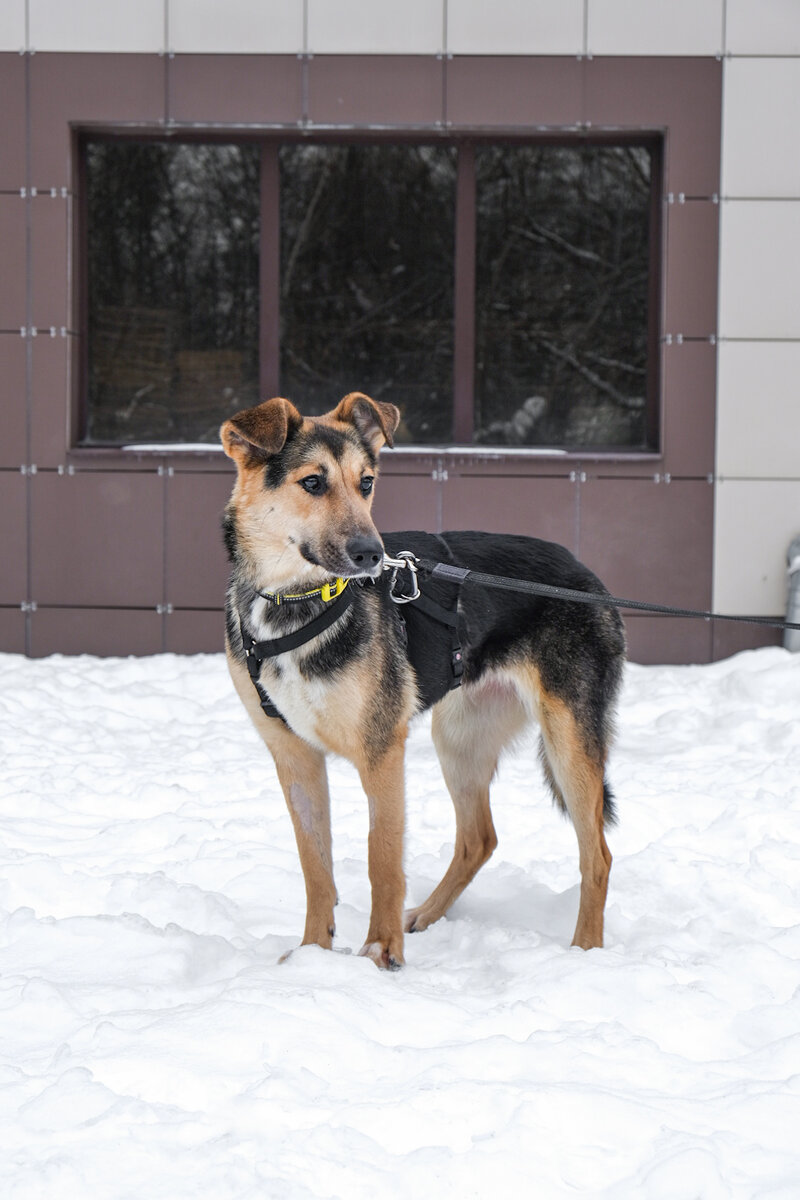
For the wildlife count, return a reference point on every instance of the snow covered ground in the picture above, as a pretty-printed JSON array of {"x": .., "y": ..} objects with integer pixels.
[{"x": 152, "y": 1047}]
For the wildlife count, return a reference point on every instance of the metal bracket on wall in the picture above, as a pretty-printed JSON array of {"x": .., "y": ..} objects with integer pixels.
[
  {"x": 164, "y": 610},
  {"x": 577, "y": 477},
  {"x": 29, "y": 606},
  {"x": 28, "y": 469},
  {"x": 69, "y": 470},
  {"x": 439, "y": 474},
  {"x": 678, "y": 339},
  {"x": 52, "y": 193}
]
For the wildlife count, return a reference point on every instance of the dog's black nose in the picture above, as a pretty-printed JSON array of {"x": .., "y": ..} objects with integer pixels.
[{"x": 364, "y": 552}]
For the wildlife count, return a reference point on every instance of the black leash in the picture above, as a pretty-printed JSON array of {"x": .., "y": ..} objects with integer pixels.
[
  {"x": 257, "y": 652},
  {"x": 460, "y": 574}
]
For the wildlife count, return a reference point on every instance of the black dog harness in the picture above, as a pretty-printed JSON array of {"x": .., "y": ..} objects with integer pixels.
[{"x": 428, "y": 631}]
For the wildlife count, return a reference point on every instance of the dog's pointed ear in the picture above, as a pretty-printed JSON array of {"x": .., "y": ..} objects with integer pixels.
[
  {"x": 375, "y": 420},
  {"x": 254, "y": 434}
]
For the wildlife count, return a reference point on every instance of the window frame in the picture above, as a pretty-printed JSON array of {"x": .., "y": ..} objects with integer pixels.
[{"x": 465, "y": 142}]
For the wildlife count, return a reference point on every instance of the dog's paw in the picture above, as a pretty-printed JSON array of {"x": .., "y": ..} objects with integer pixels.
[
  {"x": 324, "y": 941},
  {"x": 416, "y": 919},
  {"x": 382, "y": 955}
]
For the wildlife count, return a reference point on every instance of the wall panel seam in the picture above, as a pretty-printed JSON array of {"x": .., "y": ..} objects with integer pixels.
[{"x": 28, "y": 342}]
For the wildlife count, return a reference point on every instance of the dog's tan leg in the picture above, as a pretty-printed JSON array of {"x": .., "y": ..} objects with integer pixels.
[
  {"x": 580, "y": 781},
  {"x": 384, "y": 786},
  {"x": 469, "y": 733},
  {"x": 303, "y": 778}
]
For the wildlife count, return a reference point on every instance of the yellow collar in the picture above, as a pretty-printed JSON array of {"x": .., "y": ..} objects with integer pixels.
[{"x": 328, "y": 592}]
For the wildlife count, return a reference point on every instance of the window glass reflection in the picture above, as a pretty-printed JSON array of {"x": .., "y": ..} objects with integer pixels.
[
  {"x": 366, "y": 290},
  {"x": 173, "y": 310},
  {"x": 562, "y": 296}
]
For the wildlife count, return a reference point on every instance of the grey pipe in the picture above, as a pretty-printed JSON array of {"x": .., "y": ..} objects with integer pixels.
[{"x": 791, "y": 637}]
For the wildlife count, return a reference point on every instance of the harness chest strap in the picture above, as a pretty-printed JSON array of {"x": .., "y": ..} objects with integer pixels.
[
  {"x": 448, "y": 617},
  {"x": 256, "y": 652}
]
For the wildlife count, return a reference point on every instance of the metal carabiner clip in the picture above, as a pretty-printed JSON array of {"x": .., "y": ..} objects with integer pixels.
[{"x": 405, "y": 559}]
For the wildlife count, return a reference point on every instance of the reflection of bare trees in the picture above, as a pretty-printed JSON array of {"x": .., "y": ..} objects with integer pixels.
[
  {"x": 367, "y": 244},
  {"x": 367, "y": 277},
  {"x": 173, "y": 288},
  {"x": 561, "y": 303}
]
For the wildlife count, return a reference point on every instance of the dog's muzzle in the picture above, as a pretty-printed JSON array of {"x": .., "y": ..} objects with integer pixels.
[{"x": 365, "y": 554}]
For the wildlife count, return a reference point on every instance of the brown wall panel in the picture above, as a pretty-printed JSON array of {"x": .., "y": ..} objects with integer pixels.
[
  {"x": 13, "y": 272},
  {"x": 196, "y": 563},
  {"x": 194, "y": 632},
  {"x": 12, "y": 106},
  {"x": 486, "y": 91},
  {"x": 375, "y": 90},
  {"x": 681, "y": 94},
  {"x": 690, "y": 404},
  {"x": 661, "y": 640},
  {"x": 405, "y": 502},
  {"x": 118, "y": 534},
  {"x": 13, "y": 537},
  {"x": 691, "y": 268},
  {"x": 543, "y": 508},
  {"x": 649, "y": 541},
  {"x": 235, "y": 88},
  {"x": 87, "y": 88},
  {"x": 97, "y": 538},
  {"x": 729, "y": 638},
  {"x": 12, "y": 631},
  {"x": 111, "y": 632},
  {"x": 50, "y": 282},
  {"x": 49, "y": 397},
  {"x": 13, "y": 452}
]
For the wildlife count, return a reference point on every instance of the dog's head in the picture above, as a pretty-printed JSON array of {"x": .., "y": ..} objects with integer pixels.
[{"x": 301, "y": 505}]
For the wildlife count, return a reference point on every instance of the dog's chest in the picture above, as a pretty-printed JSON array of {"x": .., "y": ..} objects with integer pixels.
[
  {"x": 301, "y": 701},
  {"x": 311, "y": 702}
]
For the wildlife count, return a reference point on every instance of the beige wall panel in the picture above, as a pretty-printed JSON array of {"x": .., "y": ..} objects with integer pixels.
[
  {"x": 509, "y": 27},
  {"x": 760, "y": 269},
  {"x": 12, "y": 25},
  {"x": 96, "y": 25},
  {"x": 236, "y": 27},
  {"x": 755, "y": 522},
  {"x": 762, "y": 27},
  {"x": 375, "y": 27},
  {"x": 760, "y": 122},
  {"x": 758, "y": 416},
  {"x": 655, "y": 27}
]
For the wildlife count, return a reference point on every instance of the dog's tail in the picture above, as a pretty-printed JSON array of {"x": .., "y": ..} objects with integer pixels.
[
  {"x": 609, "y": 803},
  {"x": 610, "y": 816}
]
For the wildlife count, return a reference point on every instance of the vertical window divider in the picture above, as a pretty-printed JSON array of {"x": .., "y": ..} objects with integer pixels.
[
  {"x": 269, "y": 272},
  {"x": 655, "y": 351},
  {"x": 464, "y": 301},
  {"x": 79, "y": 408}
]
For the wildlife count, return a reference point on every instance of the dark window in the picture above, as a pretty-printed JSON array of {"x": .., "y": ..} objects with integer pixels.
[
  {"x": 499, "y": 294},
  {"x": 173, "y": 312},
  {"x": 366, "y": 287},
  {"x": 561, "y": 293}
]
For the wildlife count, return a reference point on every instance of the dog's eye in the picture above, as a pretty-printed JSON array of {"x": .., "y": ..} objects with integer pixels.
[
  {"x": 366, "y": 485},
  {"x": 314, "y": 484}
]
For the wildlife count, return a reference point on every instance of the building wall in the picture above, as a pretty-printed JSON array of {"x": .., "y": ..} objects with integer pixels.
[
  {"x": 758, "y": 430},
  {"x": 646, "y": 536}
]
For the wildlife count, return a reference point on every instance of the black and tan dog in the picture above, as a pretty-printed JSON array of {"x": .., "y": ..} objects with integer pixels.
[{"x": 307, "y": 557}]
